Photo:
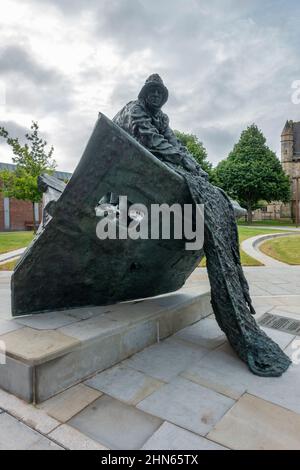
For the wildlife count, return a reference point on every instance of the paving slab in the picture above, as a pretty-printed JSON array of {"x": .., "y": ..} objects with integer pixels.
[
  {"x": 35, "y": 346},
  {"x": 275, "y": 288},
  {"x": 292, "y": 311},
  {"x": 35, "y": 418},
  {"x": 46, "y": 321},
  {"x": 84, "y": 313},
  {"x": 64, "y": 348},
  {"x": 255, "y": 424},
  {"x": 223, "y": 371},
  {"x": 70, "y": 402},
  {"x": 15, "y": 435},
  {"x": 167, "y": 359},
  {"x": 45, "y": 444},
  {"x": 100, "y": 325},
  {"x": 171, "y": 437},
  {"x": 8, "y": 326},
  {"x": 188, "y": 405},
  {"x": 285, "y": 391},
  {"x": 125, "y": 384},
  {"x": 257, "y": 290},
  {"x": 282, "y": 338},
  {"x": 115, "y": 425},
  {"x": 72, "y": 439},
  {"x": 205, "y": 333}
]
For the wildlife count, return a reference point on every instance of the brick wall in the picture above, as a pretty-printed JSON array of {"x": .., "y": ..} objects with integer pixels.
[
  {"x": 1, "y": 214},
  {"x": 21, "y": 212}
]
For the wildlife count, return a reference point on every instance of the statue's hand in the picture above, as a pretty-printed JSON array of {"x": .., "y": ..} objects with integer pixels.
[
  {"x": 194, "y": 167},
  {"x": 189, "y": 164},
  {"x": 202, "y": 173}
]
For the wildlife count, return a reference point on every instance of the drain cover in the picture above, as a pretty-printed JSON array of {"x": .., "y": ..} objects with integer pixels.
[{"x": 277, "y": 322}]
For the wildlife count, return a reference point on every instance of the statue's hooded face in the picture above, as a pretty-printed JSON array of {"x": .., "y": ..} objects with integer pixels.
[
  {"x": 154, "y": 97},
  {"x": 154, "y": 92}
]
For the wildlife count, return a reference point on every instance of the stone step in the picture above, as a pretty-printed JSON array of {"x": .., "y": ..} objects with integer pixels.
[{"x": 48, "y": 353}]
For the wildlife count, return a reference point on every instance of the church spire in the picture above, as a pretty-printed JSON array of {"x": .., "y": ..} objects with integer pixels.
[{"x": 288, "y": 128}]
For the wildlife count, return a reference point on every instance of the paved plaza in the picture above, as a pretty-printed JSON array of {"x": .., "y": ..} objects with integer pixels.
[{"x": 188, "y": 391}]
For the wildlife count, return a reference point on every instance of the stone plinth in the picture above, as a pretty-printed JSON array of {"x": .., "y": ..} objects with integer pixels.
[{"x": 48, "y": 353}]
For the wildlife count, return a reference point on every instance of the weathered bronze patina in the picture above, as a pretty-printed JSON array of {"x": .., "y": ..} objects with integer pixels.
[
  {"x": 138, "y": 155},
  {"x": 231, "y": 302}
]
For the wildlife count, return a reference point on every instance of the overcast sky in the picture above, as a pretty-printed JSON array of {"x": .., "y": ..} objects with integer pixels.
[{"x": 226, "y": 63}]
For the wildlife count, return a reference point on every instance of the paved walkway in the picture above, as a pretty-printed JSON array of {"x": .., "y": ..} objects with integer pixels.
[
  {"x": 11, "y": 255},
  {"x": 251, "y": 247},
  {"x": 187, "y": 392}
]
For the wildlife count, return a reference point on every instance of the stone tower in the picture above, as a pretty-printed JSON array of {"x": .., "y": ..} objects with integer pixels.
[{"x": 290, "y": 156}]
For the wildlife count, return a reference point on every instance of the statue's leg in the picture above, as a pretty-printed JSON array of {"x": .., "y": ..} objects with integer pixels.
[{"x": 229, "y": 289}]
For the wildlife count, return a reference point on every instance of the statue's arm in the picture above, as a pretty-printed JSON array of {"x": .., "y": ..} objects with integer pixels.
[
  {"x": 171, "y": 137},
  {"x": 147, "y": 134},
  {"x": 163, "y": 145},
  {"x": 188, "y": 160}
]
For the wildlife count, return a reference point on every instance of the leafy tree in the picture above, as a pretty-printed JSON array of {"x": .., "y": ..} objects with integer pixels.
[
  {"x": 196, "y": 148},
  {"x": 31, "y": 160},
  {"x": 252, "y": 172}
]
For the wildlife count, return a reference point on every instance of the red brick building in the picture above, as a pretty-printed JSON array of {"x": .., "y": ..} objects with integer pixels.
[{"x": 16, "y": 214}]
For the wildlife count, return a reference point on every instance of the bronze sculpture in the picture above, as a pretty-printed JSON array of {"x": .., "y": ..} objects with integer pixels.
[
  {"x": 139, "y": 156},
  {"x": 231, "y": 302}
]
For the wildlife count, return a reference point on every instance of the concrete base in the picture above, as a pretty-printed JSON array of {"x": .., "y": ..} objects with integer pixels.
[{"x": 48, "y": 353}]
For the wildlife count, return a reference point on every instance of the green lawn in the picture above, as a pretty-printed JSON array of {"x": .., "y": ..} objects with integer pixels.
[
  {"x": 286, "y": 249},
  {"x": 9, "y": 266},
  {"x": 244, "y": 233},
  {"x": 248, "y": 232},
  {"x": 284, "y": 222},
  {"x": 13, "y": 240}
]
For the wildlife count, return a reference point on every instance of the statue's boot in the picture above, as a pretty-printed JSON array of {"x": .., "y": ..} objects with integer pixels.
[{"x": 231, "y": 300}]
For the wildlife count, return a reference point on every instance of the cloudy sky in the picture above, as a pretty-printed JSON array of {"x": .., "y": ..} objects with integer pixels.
[{"x": 227, "y": 63}]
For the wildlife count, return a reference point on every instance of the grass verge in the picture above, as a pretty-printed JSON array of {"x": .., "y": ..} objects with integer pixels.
[
  {"x": 276, "y": 223},
  {"x": 10, "y": 241},
  {"x": 244, "y": 233},
  {"x": 9, "y": 266},
  {"x": 285, "y": 249}
]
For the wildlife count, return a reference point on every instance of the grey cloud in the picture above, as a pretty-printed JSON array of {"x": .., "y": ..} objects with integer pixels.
[
  {"x": 14, "y": 129},
  {"x": 218, "y": 142},
  {"x": 15, "y": 59},
  {"x": 226, "y": 63},
  {"x": 31, "y": 85},
  {"x": 50, "y": 98},
  {"x": 68, "y": 6},
  {"x": 70, "y": 140}
]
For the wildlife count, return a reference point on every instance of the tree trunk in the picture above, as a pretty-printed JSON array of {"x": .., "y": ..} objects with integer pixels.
[{"x": 249, "y": 215}]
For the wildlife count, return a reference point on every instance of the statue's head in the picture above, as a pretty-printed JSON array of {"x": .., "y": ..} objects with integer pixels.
[{"x": 154, "y": 92}]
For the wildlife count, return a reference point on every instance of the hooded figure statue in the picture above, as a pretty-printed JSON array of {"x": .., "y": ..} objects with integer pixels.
[{"x": 144, "y": 120}]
